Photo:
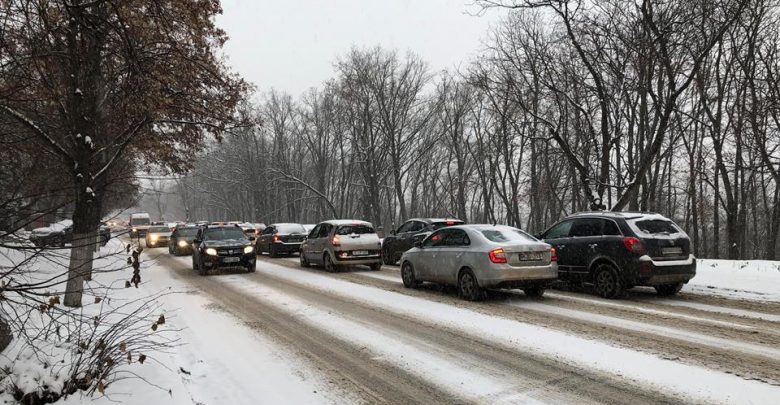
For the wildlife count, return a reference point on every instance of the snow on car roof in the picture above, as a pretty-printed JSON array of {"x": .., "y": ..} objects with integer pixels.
[{"x": 347, "y": 222}]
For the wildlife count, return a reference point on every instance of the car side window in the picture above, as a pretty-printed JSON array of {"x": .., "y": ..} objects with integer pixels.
[
  {"x": 436, "y": 239},
  {"x": 325, "y": 230},
  {"x": 559, "y": 231},
  {"x": 611, "y": 228},
  {"x": 584, "y": 227},
  {"x": 315, "y": 233},
  {"x": 268, "y": 231},
  {"x": 457, "y": 237},
  {"x": 417, "y": 226},
  {"x": 406, "y": 227}
]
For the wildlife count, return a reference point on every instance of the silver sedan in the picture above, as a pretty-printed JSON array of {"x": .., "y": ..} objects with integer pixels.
[{"x": 477, "y": 257}]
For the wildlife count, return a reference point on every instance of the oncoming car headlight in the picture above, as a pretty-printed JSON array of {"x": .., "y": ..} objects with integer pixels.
[
  {"x": 249, "y": 249},
  {"x": 211, "y": 252},
  {"x": 154, "y": 237},
  {"x": 182, "y": 243},
  {"x": 135, "y": 230}
]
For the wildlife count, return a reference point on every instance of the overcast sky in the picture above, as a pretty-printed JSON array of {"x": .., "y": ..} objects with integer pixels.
[{"x": 291, "y": 45}]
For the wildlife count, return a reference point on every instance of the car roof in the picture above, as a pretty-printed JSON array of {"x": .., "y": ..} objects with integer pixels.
[
  {"x": 338, "y": 222},
  {"x": 616, "y": 214},
  {"x": 432, "y": 220},
  {"x": 284, "y": 223},
  {"x": 231, "y": 226}
]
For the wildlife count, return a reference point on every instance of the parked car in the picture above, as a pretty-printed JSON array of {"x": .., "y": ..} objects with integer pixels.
[
  {"x": 139, "y": 224},
  {"x": 411, "y": 231},
  {"x": 338, "y": 243},
  {"x": 616, "y": 251},
  {"x": 222, "y": 246},
  {"x": 56, "y": 234},
  {"x": 279, "y": 239},
  {"x": 158, "y": 235},
  {"x": 182, "y": 238},
  {"x": 479, "y": 257}
]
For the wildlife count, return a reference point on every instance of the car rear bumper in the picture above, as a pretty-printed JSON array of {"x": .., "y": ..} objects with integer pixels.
[
  {"x": 657, "y": 272},
  {"x": 505, "y": 276},
  {"x": 290, "y": 247},
  {"x": 366, "y": 260}
]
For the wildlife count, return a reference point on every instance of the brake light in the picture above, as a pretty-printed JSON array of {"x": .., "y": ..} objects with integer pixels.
[
  {"x": 497, "y": 256},
  {"x": 276, "y": 238},
  {"x": 553, "y": 255},
  {"x": 634, "y": 245},
  {"x": 450, "y": 222},
  {"x": 336, "y": 241}
]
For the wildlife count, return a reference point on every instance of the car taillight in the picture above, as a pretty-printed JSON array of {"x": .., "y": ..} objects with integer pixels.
[
  {"x": 336, "y": 241},
  {"x": 450, "y": 222},
  {"x": 553, "y": 255},
  {"x": 497, "y": 256},
  {"x": 634, "y": 245},
  {"x": 276, "y": 238}
]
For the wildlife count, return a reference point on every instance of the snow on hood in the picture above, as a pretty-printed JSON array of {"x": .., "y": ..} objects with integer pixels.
[{"x": 55, "y": 227}]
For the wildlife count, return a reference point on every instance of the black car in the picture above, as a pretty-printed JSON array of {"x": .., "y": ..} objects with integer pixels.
[
  {"x": 181, "y": 239},
  {"x": 411, "y": 231},
  {"x": 222, "y": 246},
  {"x": 60, "y": 233},
  {"x": 615, "y": 251},
  {"x": 279, "y": 239}
]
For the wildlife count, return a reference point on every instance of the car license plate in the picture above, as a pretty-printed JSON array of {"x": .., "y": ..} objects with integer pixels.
[
  {"x": 360, "y": 253},
  {"x": 529, "y": 256},
  {"x": 671, "y": 251},
  {"x": 231, "y": 259}
]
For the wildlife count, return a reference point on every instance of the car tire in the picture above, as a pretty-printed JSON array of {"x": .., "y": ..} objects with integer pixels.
[
  {"x": 252, "y": 268},
  {"x": 58, "y": 241},
  {"x": 376, "y": 266},
  {"x": 272, "y": 252},
  {"x": 202, "y": 269},
  {"x": 387, "y": 257},
  {"x": 327, "y": 262},
  {"x": 468, "y": 286},
  {"x": 607, "y": 282},
  {"x": 408, "y": 277},
  {"x": 534, "y": 292},
  {"x": 304, "y": 262},
  {"x": 668, "y": 290}
]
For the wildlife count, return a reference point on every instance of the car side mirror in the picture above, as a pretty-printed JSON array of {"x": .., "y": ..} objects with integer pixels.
[
  {"x": 251, "y": 237},
  {"x": 418, "y": 244},
  {"x": 393, "y": 232},
  {"x": 538, "y": 236}
]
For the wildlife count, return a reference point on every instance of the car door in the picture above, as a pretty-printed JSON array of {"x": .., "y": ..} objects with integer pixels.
[
  {"x": 425, "y": 266},
  {"x": 585, "y": 237},
  {"x": 403, "y": 237},
  {"x": 307, "y": 248},
  {"x": 558, "y": 237},
  {"x": 322, "y": 242},
  {"x": 448, "y": 259},
  {"x": 266, "y": 238}
]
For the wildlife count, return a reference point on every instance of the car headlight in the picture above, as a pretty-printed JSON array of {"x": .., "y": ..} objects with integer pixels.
[
  {"x": 182, "y": 243},
  {"x": 211, "y": 252},
  {"x": 135, "y": 230},
  {"x": 154, "y": 237},
  {"x": 249, "y": 249}
]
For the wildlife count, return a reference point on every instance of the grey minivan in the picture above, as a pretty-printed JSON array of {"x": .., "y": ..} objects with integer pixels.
[
  {"x": 478, "y": 257},
  {"x": 337, "y": 243}
]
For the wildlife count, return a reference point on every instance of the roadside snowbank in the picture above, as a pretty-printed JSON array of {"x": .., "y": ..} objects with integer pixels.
[{"x": 741, "y": 279}]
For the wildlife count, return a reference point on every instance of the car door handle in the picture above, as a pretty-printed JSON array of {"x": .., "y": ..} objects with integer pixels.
[
  {"x": 561, "y": 247},
  {"x": 593, "y": 245}
]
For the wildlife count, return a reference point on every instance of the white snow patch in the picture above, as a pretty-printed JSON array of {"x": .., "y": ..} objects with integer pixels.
[{"x": 744, "y": 279}]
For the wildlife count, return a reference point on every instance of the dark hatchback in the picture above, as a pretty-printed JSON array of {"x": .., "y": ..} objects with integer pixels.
[
  {"x": 222, "y": 246},
  {"x": 615, "y": 251},
  {"x": 182, "y": 239},
  {"x": 411, "y": 231},
  {"x": 279, "y": 239}
]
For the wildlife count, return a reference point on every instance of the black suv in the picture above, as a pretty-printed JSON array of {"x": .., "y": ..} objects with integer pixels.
[
  {"x": 222, "y": 246},
  {"x": 616, "y": 251},
  {"x": 182, "y": 238},
  {"x": 411, "y": 231},
  {"x": 281, "y": 238}
]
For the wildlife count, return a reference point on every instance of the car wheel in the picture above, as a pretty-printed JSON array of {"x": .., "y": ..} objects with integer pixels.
[
  {"x": 534, "y": 292},
  {"x": 59, "y": 241},
  {"x": 329, "y": 266},
  {"x": 387, "y": 257},
  {"x": 607, "y": 282},
  {"x": 407, "y": 275},
  {"x": 376, "y": 266},
  {"x": 252, "y": 268},
  {"x": 304, "y": 262},
  {"x": 667, "y": 290},
  {"x": 272, "y": 251},
  {"x": 202, "y": 269},
  {"x": 468, "y": 287}
]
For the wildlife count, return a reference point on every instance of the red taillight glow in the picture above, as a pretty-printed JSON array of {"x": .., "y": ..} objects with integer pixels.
[
  {"x": 553, "y": 255},
  {"x": 450, "y": 222},
  {"x": 277, "y": 239},
  {"x": 336, "y": 241},
  {"x": 497, "y": 256},
  {"x": 634, "y": 245}
]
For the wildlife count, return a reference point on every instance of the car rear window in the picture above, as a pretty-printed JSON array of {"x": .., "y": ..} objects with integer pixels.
[
  {"x": 656, "y": 226},
  {"x": 507, "y": 236},
  {"x": 442, "y": 224},
  {"x": 354, "y": 229},
  {"x": 159, "y": 229},
  {"x": 290, "y": 228},
  {"x": 140, "y": 221}
]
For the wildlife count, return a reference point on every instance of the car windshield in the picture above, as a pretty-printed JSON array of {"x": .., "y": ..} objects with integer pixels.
[
  {"x": 223, "y": 234},
  {"x": 507, "y": 236},
  {"x": 158, "y": 229},
  {"x": 354, "y": 229},
  {"x": 656, "y": 226},
  {"x": 442, "y": 224},
  {"x": 139, "y": 221},
  {"x": 189, "y": 232},
  {"x": 290, "y": 228}
]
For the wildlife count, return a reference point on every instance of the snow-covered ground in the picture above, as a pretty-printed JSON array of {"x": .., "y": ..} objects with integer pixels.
[{"x": 745, "y": 279}]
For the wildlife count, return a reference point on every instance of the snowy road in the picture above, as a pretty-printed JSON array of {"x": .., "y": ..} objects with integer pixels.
[{"x": 371, "y": 340}]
